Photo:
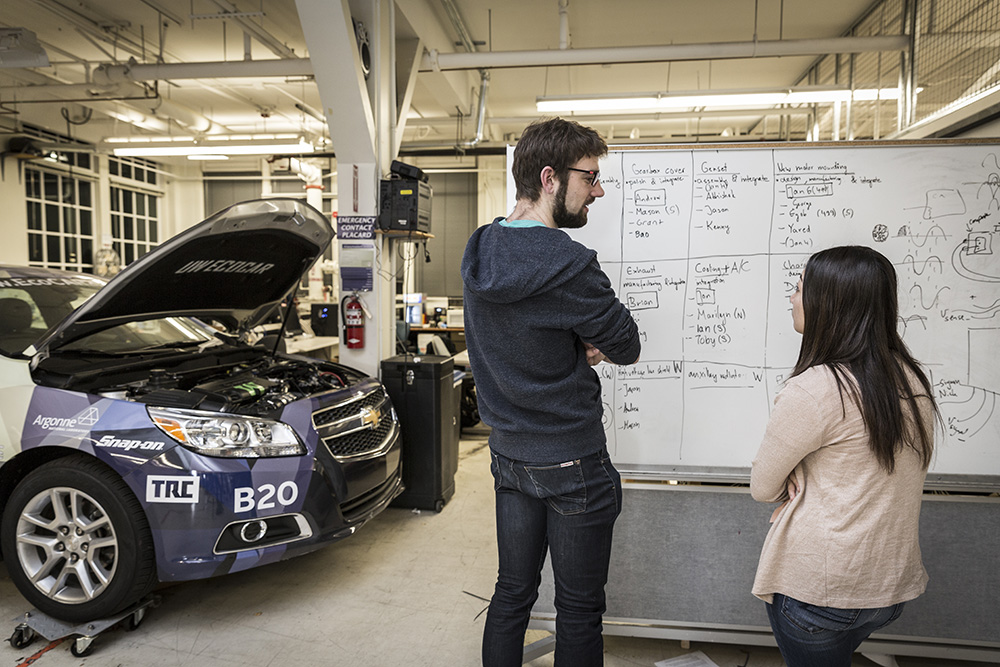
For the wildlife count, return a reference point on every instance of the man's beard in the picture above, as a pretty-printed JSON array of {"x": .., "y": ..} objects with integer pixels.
[{"x": 562, "y": 217}]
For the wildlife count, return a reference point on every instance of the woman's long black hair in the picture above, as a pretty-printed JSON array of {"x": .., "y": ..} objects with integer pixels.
[{"x": 850, "y": 312}]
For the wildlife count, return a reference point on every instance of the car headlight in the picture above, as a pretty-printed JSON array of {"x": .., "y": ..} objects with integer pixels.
[{"x": 228, "y": 436}]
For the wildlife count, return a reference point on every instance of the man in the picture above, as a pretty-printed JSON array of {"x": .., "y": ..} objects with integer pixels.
[{"x": 539, "y": 311}]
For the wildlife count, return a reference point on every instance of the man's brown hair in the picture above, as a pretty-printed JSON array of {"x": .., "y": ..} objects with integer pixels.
[{"x": 555, "y": 143}]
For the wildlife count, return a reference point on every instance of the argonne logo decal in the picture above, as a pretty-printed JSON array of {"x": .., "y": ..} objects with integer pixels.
[{"x": 89, "y": 417}]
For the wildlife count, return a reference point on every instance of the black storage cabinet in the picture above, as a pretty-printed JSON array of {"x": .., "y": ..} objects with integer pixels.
[{"x": 422, "y": 392}]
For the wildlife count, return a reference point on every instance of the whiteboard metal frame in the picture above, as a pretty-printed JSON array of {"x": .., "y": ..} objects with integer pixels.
[
  {"x": 954, "y": 482},
  {"x": 882, "y": 645},
  {"x": 723, "y": 475}
]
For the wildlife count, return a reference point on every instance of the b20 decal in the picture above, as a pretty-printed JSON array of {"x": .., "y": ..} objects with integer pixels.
[{"x": 266, "y": 497}]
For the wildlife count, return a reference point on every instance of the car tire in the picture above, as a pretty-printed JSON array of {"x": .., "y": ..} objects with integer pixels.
[{"x": 76, "y": 540}]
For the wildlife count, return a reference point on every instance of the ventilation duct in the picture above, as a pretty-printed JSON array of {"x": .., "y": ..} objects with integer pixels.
[{"x": 20, "y": 48}]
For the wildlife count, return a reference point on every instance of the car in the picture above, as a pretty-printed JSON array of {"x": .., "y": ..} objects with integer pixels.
[{"x": 149, "y": 434}]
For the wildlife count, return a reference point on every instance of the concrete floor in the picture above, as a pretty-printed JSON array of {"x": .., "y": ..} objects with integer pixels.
[{"x": 410, "y": 589}]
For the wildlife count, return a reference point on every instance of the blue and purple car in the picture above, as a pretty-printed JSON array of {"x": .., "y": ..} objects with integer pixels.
[{"x": 147, "y": 434}]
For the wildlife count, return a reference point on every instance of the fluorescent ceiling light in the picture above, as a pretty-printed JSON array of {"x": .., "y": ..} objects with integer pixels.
[
  {"x": 721, "y": 99},
  {"x": 269, "y": 138},
  {"x": 208, "y": 157},
  {"x": 214, "y": 147}
]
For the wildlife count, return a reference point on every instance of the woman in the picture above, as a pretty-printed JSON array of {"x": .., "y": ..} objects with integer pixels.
[{"x": 847, "y": 448}]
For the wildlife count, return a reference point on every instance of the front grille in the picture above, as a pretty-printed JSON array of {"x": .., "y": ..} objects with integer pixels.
[
  {"x": 361, "y": 427},
  {"x": 349, "y": 409},
  {"x": 360, "y": 442}
]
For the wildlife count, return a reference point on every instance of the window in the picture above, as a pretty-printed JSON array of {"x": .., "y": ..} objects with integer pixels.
[
  {"x": 134, "y": 168},
  {"x": 135, "y": 223},
  {"x": 60, "y": 220},
  {"x": 135, "y": 218}
]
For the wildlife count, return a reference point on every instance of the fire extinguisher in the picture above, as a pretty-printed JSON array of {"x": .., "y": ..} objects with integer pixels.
[{"x": 353, "y": 316}]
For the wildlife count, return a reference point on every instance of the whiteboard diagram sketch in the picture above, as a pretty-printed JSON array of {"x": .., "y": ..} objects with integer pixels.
[{"x": 705, "y": 245}]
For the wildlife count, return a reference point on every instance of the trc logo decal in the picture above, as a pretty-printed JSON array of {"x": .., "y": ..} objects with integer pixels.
[{"x": 172, "y": 489}]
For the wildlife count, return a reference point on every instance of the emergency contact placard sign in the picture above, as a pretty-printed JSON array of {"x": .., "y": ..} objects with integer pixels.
[{"x": 355, "y": 227}]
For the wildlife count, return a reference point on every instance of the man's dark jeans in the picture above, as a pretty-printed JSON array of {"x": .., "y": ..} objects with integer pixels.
[{"x": 568, "y": 509}]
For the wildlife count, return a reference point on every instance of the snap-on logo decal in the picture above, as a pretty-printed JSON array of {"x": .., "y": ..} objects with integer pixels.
[
  {"x": 127, "y": 445},
  {"x": 172, "y": 489}
]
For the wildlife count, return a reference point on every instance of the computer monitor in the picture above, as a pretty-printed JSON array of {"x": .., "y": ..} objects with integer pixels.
[
  {"x": 415, "y": 314},
  {"x": 413, "y": 303},
  {"x": 323, "y": 318}
]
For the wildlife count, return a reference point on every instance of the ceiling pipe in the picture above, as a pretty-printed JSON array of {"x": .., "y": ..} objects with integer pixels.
[
  {"x": 563, "y": 25},
  {"x": 186, "y": 117},
  {"x": 54, "y": 92},
  {"x": 205, "y": 70},
  {"x": 433, "y": 61},
  {"x": 484, "y": 88},
  {"x": 592, "y": 120},
  {"x": 456, "y": 21},
  {"x": 480, "y": 124},
  {"x": 80, "y": 18},
  {"x": 99, "y": 29},
  {"x": 251, "y": 28},
  {"x": 449, "y": 121},
  {"x": 122, "y": 92},
  {"x": 484, "y": 76},
  {"x": 126, "y": 114},
  {"x": 308, "y": 172}
]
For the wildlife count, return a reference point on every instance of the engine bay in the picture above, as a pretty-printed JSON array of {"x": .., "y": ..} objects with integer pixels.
[
  {"x": 255, "y": 389},
  {"x": 246, "y": 380}
]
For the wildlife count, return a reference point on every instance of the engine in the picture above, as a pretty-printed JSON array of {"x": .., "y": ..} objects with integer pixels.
[{"x": 257, "y": 389}]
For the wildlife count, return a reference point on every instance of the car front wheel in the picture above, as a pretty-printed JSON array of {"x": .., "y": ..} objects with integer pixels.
[{"x": 76, "y": 540}]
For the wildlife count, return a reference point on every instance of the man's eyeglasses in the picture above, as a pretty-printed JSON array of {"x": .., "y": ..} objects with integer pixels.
[{"x": 595, "y": 176}]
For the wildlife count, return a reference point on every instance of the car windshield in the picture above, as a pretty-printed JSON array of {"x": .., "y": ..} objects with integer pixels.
[
  {"x": 162, "y": 334},
  {"x": 30, "y": 306}
]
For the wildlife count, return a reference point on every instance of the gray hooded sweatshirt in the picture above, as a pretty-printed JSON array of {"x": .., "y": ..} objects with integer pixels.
[{"x": 533, "y": 295}]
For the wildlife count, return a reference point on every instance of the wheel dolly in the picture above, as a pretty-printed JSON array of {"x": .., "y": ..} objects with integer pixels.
[{"x": 38, "y": 624}]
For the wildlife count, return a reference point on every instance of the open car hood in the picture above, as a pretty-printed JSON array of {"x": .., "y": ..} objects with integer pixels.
[{"x": 234, "y": 267}]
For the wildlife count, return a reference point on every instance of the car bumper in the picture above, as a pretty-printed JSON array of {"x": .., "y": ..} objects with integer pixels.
[{"x": 234, "y": 514}]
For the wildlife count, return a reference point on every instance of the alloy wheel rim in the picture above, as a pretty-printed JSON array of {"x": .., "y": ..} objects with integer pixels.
[{"x": 67, "y": 545}]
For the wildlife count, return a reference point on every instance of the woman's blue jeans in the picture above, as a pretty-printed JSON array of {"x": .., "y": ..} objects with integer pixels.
[
  {"x": 568, "y": 509},
  {"x": 811, "y": 636}
]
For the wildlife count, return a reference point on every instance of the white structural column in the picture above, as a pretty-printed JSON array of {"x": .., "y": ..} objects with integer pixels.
[
  {"x": 380, "y": 17},
  {"x": 14, "y": 221},
  {"x": 356, "y": 114},
  {"x": 336, "y": 63},
  {"x": 183, "y": 201}
]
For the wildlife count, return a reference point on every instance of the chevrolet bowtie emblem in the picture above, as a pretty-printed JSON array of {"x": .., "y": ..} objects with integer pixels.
[{"x": 370, "y": 417}]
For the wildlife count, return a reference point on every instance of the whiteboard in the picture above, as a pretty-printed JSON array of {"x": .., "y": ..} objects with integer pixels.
[{"x": 705, "y": 245}]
